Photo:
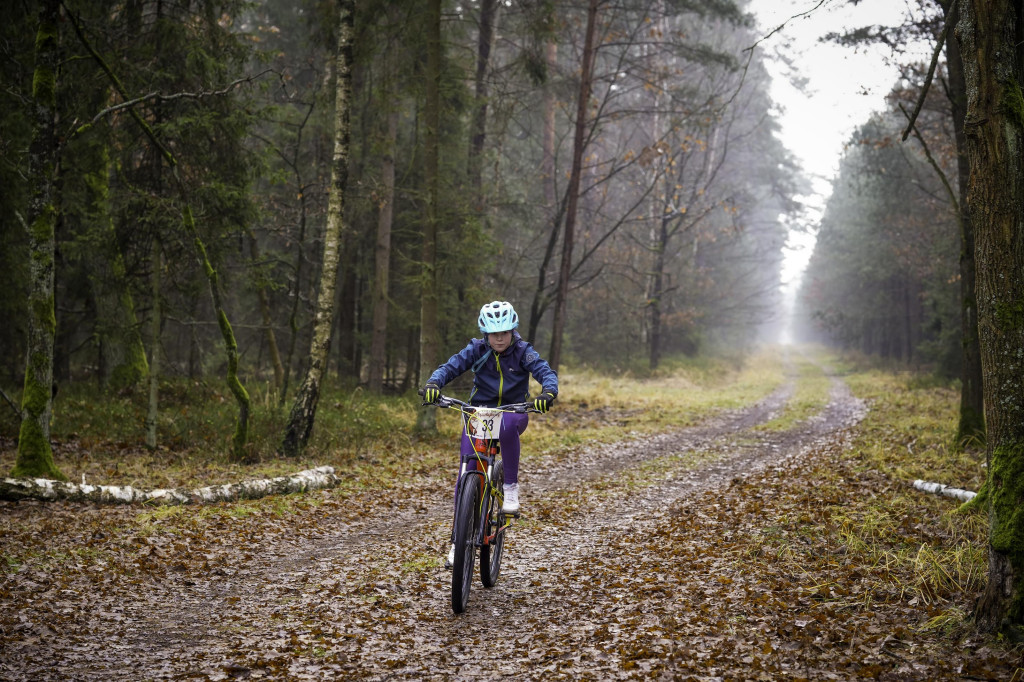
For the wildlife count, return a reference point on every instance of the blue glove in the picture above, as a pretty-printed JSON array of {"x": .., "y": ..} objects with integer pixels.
[
  {"x": 542, "y": 403},
  {"x": 431, "y": 392}
]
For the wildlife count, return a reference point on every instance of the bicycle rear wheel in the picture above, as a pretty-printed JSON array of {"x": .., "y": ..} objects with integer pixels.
[
  {"x": 465, "y": 533},
  {"x": 490, "y": 553}
]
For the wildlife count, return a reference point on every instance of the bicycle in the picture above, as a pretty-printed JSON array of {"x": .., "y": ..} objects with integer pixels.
[{"x": 479, "y": 519}]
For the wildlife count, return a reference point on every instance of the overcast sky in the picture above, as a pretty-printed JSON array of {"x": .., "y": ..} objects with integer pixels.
[{"x": 842, "y": 87}]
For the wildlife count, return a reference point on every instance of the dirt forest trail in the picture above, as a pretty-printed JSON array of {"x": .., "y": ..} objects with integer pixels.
[{"x": 627, "y": 565}]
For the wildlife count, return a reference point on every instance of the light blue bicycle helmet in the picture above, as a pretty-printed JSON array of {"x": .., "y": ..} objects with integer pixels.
[{"x": 497, "y": 316}]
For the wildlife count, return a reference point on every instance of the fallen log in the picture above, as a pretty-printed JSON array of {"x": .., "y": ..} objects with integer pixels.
[
  {"x": 942, "y": 489},
  {"x": 15, "y": 489}
]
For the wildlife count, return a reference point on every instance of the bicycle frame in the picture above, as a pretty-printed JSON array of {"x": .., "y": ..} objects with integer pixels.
[
  {"x": 480, "y": 531},
  {"x": 486, "y": 451}
]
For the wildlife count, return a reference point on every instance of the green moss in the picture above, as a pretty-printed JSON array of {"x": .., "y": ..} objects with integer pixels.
[
  {"x": 42, "y": 232},
  {"x": 1013, "y": 100},
  {"x": 130, "y": 373},
  {"x": 35, "y": 457},
  {"x": 44, "y": 84},
  {"x": 46, "y": 318},
  {"x": 36, "y": 397},
  {"x": 1010, "y": 315},
  {"x": 1006, "y": 535},
  {"x": 1007, "y": 482}
]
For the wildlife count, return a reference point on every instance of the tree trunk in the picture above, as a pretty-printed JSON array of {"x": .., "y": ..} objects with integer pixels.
[
  {"x": 547, "y": 172},
  {"x": 267, "y": 316},
  {"x": 124, "y": 356},
  {"x": 153, "y": 409},
  {"x": 382, "y": 252},
  {"x": 429, "y": 337},
  {"x": 303, "y": 414},
  {"x": 347, "y": 315},
  {"x": 42, "y": 489},
  {"x": 657, "y": 284},
  {"x": 35, "y": 457},
  {"x": 561, "y": 297},
  {"x": 991, "y": 34},
  {"x": 478, "y": 133},
  {"x": 971, "y": 426},
  {"x": 295, "y": 290}
]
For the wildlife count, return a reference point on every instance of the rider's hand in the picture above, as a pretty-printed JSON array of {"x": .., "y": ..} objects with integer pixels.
[
  {"x": 542, "y": 403},
  {"x": 431, "y": 392}
]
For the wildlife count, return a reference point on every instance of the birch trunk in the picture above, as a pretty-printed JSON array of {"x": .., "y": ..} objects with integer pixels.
[
  {"x": 303, "y": 414},
  {"x": 16, "y": 489}
]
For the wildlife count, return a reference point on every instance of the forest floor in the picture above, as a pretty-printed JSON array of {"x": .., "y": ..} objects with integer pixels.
[{"x": 738, "y": 548}]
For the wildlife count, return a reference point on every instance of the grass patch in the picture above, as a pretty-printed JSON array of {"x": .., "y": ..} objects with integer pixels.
[
  {"x": 810, "y": 394},
  {"x": 909, "y": 546}
]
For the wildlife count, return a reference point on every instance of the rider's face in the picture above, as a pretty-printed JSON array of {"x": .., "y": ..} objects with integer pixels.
[{"x": 499, "y": 340}]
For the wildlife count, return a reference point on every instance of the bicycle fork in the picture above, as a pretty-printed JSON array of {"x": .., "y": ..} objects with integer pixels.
[{"x": 487, "y": 502}]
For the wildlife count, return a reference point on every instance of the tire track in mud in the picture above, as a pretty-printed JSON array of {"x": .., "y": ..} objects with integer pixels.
[
  {"x": 538, "y": 610},
  {"x": 340, "y": 603}
]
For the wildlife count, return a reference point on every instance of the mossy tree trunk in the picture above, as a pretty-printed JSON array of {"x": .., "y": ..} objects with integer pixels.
[
  {"x": 303, "y": 414},
  {"x": 35, "y": 457},
  {"x": 991, "y": 35}
]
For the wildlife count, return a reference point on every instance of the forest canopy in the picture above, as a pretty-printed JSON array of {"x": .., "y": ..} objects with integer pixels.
[{"x": 678, "y": 241}]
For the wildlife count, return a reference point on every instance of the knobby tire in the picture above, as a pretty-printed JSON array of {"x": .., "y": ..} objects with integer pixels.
[
  {"x": 490, "y": 555},
  {"x": 465, "y": 533}
]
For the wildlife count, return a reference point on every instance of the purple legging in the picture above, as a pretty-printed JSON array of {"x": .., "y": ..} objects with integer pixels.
[{"x": 512, "y": 425}]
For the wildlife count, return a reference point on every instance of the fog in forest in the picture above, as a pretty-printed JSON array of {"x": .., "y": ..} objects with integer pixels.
[{"x": 648, "y": 221}]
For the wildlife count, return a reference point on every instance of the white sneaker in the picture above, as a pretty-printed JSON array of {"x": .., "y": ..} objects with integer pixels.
[
  {"x": 449, "y": 560},
  {"x": 511, "y": 504}
]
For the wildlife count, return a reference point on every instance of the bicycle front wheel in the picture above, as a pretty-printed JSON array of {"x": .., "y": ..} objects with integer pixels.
[
  {"x": 490, "y": 552},
  {"x": 466, "y": 516}
]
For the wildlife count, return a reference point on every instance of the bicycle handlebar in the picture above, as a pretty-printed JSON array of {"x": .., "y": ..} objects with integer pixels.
[{"x": 455, "y": 403}]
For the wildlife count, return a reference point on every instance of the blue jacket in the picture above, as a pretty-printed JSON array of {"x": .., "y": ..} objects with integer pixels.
[{"x": 499, "y": 379}]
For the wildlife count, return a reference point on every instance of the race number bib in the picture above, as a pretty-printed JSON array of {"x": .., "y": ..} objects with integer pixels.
[{"x": 485, "y": 423}]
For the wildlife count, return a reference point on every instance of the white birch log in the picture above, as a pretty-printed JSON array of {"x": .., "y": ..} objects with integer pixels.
[
  {"x": 15, "y": 489},
  {"x": 942, "y": 489}
]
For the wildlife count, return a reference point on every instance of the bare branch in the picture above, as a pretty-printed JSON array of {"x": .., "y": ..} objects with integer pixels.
[
  {"x": 178, "y": 95},
  {"x": 750, "y": 50},
  {"x": 934, "y": 164},
  {"x": 783, "y": 25},
  {"x": 17, "y": 411},
  {"x": 931, "y": 70}
]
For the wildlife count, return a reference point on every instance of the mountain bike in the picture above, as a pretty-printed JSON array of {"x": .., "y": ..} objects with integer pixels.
[{"x": 479, "y": 519}]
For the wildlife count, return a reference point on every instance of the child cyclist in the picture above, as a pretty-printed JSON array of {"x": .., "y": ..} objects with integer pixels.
[{"x": 502, "y": 363}]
